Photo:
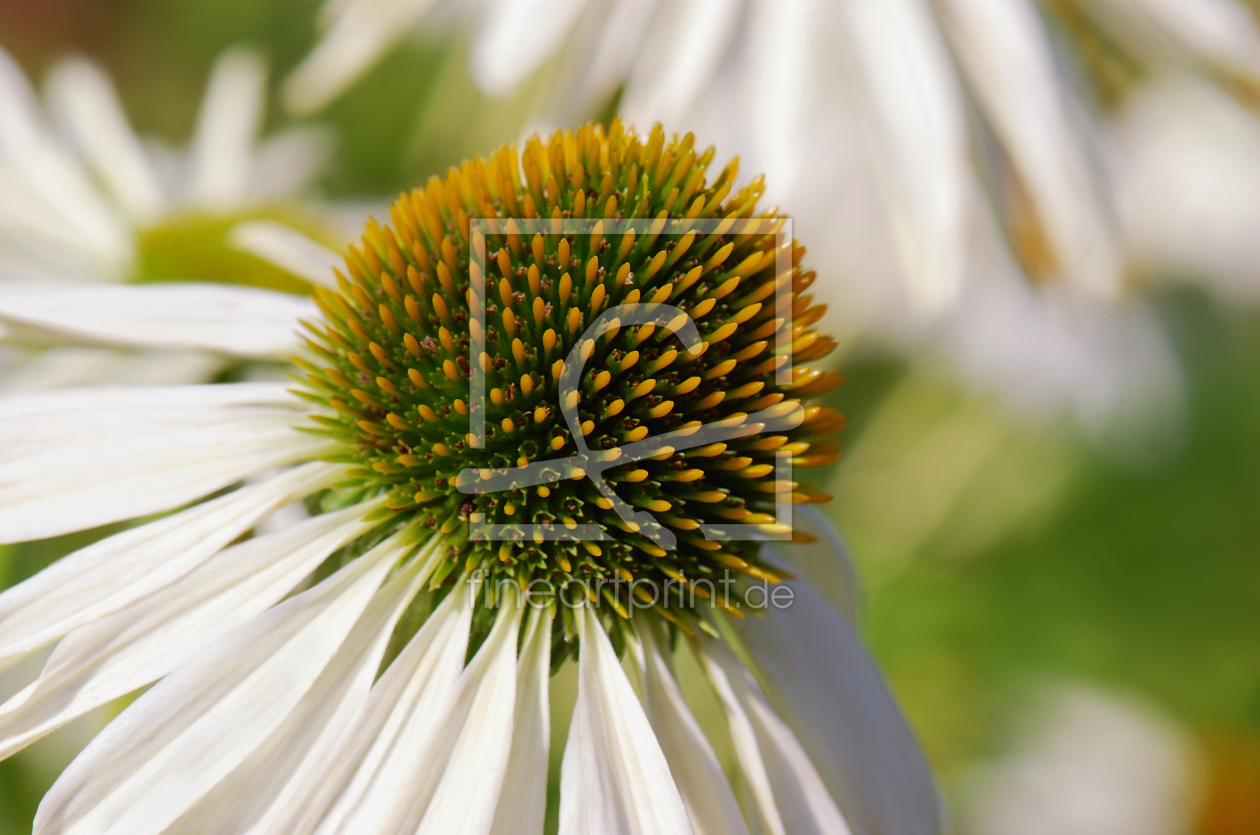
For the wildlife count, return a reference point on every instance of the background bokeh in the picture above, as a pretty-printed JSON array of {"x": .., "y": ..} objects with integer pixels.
[{"x": 1066, "y": 627}]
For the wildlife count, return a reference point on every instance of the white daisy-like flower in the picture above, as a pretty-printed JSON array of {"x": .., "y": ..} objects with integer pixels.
[
  {"x": 163, "y": 242},
  {"x": 383, "y": 666}
]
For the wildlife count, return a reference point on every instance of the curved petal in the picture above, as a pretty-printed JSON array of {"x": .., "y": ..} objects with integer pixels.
[
  {"x": 118, "y": 653},
  {"x": 827, "y": 562},
  {"x": 711, "y": 805},
  {"x": 288, "y": 249},
  {"x": 396, "y": 717},
  {"x": 614, "y": 779},
  {"x": 917, "y": 134},
  {"x": 170, "y": 747},
  {"x": 522, "y": 806},
  {"x": 789, "y": 794},
  {"x": 223, "y": 141},
  {"x": 287, "y": 161},
  {"x": 57, "y": 368},
  {"x": 237, "y": 321},
  {"x": 1220, "y": 33},
  {"x": 156, "y": 465},
  {"x": 835, "y": 700},
  {"x": 250, "y": 798},
  {"x": 110, "y": 574},
  {"x": 83, "y": 98},
  {"x": 1006, "y": 51}
]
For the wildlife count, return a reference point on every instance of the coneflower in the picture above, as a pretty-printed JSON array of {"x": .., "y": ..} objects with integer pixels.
[{"x": 383, "y": 666}]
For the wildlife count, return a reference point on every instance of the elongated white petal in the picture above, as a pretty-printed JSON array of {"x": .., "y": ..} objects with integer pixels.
[
  {"x": 43, "y": 421},
  {"x": 59, "y": 368},
  {"x": 779, "y": 85},
  {"x": 522, "y": 807},
  {"x": 614, "y": 779},
  {"x": 191, "y": 729},
  {"x": 110, "y": 574},
  {"x": 916, "y": 131},
  {"x": 238, "y": 321},
  {"x": 162, "y": 461},
  {"x": 837, "y": 703},
  {"x": 223, "y": 141},
  {"x": 286, "y": 162},
  {"x": 827, "y": 562},
  {"x": 681, "y": 54},
  {"x": 711, "y": 805},
  {"x": 516, "y": 37},
  {"x": 615, "y": 40},
  {"x": 288, "y": 249},
  {"x": 396, "y": 718},
  {"x": 251, "y": 797},
  {"x": 116, "y": 654},
  {"x": 466, "y": 758},
  {"x": 789, "y": 794},
  {"x": 1007, "y": 54},
  {"x": 354, "y": 41},
  {"x": 83, "y": 98}
]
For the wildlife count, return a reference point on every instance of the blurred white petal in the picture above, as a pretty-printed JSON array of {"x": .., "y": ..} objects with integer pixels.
[
  {"x": 607, "y": 45},
  {"x": 1002, "y": 45},
  {"x": 828, "y": 562},
  {"x": 356, "y": 38},
  {"x": 171, "y": 746},
  {"x": 515, "y": 38},
  {"x": 681, "y": 54},
  {"x": 287, "y": 162},
  {"x": 789, "y": 794},
  {"x": 238, "y": 321},
  {"x": 54, "y": 368},
  {"x": 835, "y": 700},
  {"x": 1220, "y": 33},
  {"x": 288, "y": 249},
  {"x": 917, "y": 136},
  {"x": 614, "y": 779},
  {"x": 223, "y": 141},
  {"x": 83, "y": 98}
]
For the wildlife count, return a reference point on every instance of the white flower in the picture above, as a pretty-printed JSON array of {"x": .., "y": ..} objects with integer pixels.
[
  {"x": 271, "y": 712},
  {"x": 83, "y": 200}
]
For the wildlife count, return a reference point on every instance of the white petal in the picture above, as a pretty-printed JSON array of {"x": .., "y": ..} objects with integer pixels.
[
  {"x": 916, "y": 132},
  {"x": 223, "y": 141},
  {"x": 837, "y": 703},
  {"x": 1009, "y": 61},
  {"x": 711, "y": 805},
  {"x": 286, "y": 162},
  {"x": 118, "y": 570},
  {"x": 1221, "y": 33},
  {"x": 615, "y": 39},
  {"x": 238, "y": 321},
  {"x": 516, "y": 37},
  {"x": 192, "y": 728},
  {"x": 54, "y": 368},
  {"x": 827, "y": 563},
  {"x": 680, "y": 57},
  {"x": 161, "y": 462},
  {"x": 288, "y": 249},
  {"x": 790, "y": 795},
  {"x": 352, "y": 44},
  {"x": 396, "y": 718},
  {"x": 118, "y": 653},
  {"x": 522, "y": 807},
  {"x": 250, "y": 798},
  {"x": 614, "y": 779},
  {"x": 465, "y": 760},
  {"x": 83, "y": 98}
]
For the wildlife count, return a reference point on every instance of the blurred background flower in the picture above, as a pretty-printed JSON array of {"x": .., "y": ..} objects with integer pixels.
[{"x": 1034, "y": 222}]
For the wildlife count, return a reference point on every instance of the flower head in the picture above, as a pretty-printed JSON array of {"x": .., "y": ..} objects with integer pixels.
[{"x": 384, "y": 665}]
